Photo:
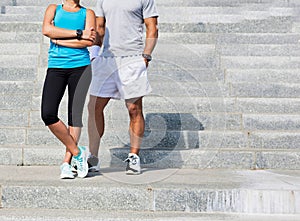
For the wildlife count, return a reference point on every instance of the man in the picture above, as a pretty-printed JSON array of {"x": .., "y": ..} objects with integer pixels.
[{"x": 120, "y": 72}]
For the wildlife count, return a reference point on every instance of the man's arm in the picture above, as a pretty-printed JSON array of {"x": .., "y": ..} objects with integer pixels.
[
  {"x": 151, "y": 36},
  {"x": 100, "y": 32}
]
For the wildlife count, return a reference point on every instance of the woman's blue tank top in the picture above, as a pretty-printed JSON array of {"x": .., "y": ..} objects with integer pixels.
[{"x": 65, "y": 57}]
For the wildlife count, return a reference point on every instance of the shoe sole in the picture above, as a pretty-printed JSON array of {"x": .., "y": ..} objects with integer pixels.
[
  {"x": 66, "y": 177},
  {"x": 93, "y": 170},
  {"x": 129, "y": 172}
]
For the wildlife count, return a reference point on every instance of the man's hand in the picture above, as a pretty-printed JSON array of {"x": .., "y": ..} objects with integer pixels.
[{"x": 146, "y": 62}]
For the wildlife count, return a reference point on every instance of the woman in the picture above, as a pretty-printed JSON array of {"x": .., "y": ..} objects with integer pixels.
[{"x": 70, "y": 28}]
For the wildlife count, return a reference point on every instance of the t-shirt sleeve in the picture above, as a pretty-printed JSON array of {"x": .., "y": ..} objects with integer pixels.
[
  {"x": 149, "y": 9},
  {"x": 99, "y": 10}
]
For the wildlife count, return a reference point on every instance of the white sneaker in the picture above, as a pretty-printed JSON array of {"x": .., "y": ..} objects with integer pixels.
[
  {"x": 81, "y": 162},
  {"x": 133, "y": 164},
  {"x": 66, "y": 171},
  {"x": 94, "y": 163}
]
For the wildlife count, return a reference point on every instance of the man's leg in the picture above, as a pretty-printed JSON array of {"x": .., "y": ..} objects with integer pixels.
[
  {"x": 136, "y": 131},
  {"x": 137, "y": 123},
  {"x": 96, "y": 122}
]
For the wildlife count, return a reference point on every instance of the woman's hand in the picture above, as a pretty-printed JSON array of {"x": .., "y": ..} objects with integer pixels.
[{"x": 89, "y": 34}]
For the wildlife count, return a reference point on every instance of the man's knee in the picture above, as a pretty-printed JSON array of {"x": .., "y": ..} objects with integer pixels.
[
  {"x": 91, "y": 105},
  {"x": 97, "y": 104},
  {"x": 134, "y": 111}
]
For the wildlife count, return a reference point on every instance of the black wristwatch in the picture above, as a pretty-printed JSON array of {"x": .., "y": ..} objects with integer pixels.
[
  {"x": 79, "y": 34},
  {"x": 147, "y": 56}
]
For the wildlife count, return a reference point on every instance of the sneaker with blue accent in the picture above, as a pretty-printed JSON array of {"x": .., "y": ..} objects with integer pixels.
[
  {"x": 80, "y": 161},
  {"x": 133, "y": 164},
  {"x": 66, "y": 171}
]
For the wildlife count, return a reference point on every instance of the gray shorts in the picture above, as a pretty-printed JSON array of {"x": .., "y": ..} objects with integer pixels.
[{"x": 119, "y": 77}]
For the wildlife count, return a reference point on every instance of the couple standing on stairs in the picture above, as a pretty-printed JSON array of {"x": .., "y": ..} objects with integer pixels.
[{"x": 119, "y": 72}]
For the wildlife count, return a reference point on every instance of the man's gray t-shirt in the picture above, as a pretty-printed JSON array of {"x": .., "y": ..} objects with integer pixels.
[{"x": 124, "y": 22}]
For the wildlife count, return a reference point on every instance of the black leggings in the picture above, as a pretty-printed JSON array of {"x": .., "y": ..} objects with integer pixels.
[{"x": 57, "y": 79}]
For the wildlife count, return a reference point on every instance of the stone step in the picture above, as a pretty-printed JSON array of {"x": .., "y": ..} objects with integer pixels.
[
  {"x": 267, "y": 105},
  {"x": 228, "y": 38},
  {"x": 92, "y": 215},
  {"x": 253, "y": 148},
  {"x": 196, "y": 14},
  {"x": 19, "y": 61},
  {"x": 224, "y": 3},
  {"x": 213, "y": 159},
  {"x": 195, "y": 18},
  {"x": 20, "y": 27},
  {"x": 20, "y": 37},
  {"x": 262, "y": 90},
  {"x": 89, "y": 215},
  {"x": 258, "y": 156},
  {"x": 17, "y": 74},
  {"x": 260, "y": 10},
  {"x": 269, "y": 25},
  {"x": 180, "y": 39},
  {"x": 197, "y": 61},
  {"x": 194, "y": 114},
  {"x": 21, "y": 17},
  {"x": 203, "y": 15},
  {"x": 286, "y": 76},
  {"x": 259, "y": 50},
  {"x": 162, "y": 190},
  {"x": 20, "y": 48},
  {"x": 260, "y": 62},
  {"x": 189, "y": 3}
]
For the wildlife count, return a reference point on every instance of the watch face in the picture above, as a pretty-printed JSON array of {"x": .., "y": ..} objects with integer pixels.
[
  {"x": 147, "y": 56},
  {"x": 79, "y": 33}
]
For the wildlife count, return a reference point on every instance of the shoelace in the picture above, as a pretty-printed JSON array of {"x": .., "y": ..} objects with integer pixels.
[
  {"x": 80, "y": 163},
  {"x": 127, "y": 160},
  {"x": 132, "y": 160}
]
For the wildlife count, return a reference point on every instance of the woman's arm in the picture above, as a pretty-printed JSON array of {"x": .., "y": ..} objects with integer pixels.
[
  {"x": 82, "y": 43},
  {"x": 53, "y": 32}
]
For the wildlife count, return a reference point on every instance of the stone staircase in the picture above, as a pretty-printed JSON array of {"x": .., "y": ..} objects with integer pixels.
[{"x": 226, "y": 88}]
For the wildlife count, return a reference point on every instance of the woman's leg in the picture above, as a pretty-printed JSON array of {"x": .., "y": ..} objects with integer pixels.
[
  {"x": 75, "y": 132},
  {"x": 60, "y": 130},
  {"x": 53, "y": 91},
  {"x": 78, "y": 83}
]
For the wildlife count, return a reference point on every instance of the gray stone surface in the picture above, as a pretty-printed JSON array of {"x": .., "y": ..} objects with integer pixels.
[
  {"x": 185, "y": 190},
  {"x": 20, "y": 26},
  {"x": 278, "y": 159},
  {"x": 96, "y": 215},
  {"x": 17, "y": 36},
  {"x": 17, "y": 74},
  {"x": 271, "y": 122},
  {"x": 225, "y": 78},
  {"x": 262, "y": 90},
  {"x": 268, "y": 105},
  {"x": 11, "y": 156},
  {"x": 19, "y": 49},
  {"x": 12, "y": 136},
  {"x": 288, "y": 76},
  {"x": 274, "y": 140}
]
